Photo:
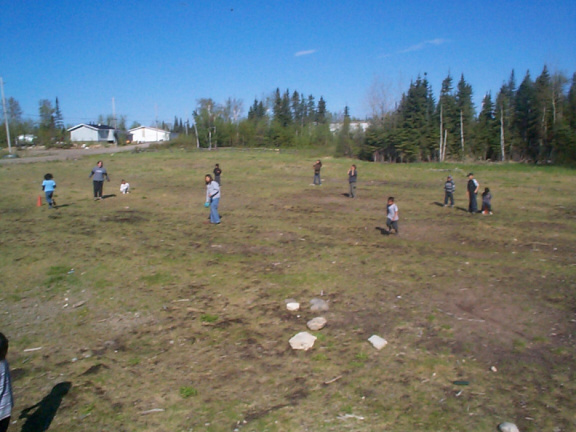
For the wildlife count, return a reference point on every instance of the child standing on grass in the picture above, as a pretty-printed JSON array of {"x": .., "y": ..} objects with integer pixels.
[
  {"x": 486, "y": 201},
  {"x": 449, "y": 188},
  {"x": 392, "y": 217},
  {"x": 48, "y": 186},
  {"x": 6, "y": 398}
]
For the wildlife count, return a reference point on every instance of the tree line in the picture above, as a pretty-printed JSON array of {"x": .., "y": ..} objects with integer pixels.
[{"x": 531, "y": 121}]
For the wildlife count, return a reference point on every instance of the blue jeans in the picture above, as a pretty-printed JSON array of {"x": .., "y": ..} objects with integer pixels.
[
  {"x": 214, "y": 215},
  {"x": 49, "y": 198},
  {"x": 449, "y": 196},
  {"x": 317, "y": 180}
]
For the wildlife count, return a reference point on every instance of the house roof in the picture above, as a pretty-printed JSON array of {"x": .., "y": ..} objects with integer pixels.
[
  {"x": 149, "y": 128},
  {"x": 91, "y": 126}
]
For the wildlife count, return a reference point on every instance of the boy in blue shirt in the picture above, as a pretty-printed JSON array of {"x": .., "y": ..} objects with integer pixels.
[{"x": 48, "y": 186}]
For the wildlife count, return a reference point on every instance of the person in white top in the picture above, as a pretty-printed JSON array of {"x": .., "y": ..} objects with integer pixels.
[{"x": 212, "y": 198}]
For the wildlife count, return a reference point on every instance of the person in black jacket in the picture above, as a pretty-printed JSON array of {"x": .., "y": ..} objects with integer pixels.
[{"x": 472, "y": 191}]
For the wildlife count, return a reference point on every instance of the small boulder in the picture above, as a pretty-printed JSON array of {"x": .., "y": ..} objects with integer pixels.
[
  {"x": 317, "y": 323},
  {"x": 508, "y": 427},
  {"x": 302, "y": 341},
  {"x": 319, "y": 305},
  {"x": 292, "y": 305},
  {"x": 377, "y": 342}
]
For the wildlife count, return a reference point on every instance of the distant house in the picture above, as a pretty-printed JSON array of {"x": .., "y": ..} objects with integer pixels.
[
  {"x": 90, "y": 133},
  {"x": 143, "y": 134},
  {"x": 26, "y": 139},
  {"x": 355, "y": 125}
]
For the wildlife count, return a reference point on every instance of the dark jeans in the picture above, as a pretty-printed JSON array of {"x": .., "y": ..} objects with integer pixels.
[
  {"x": 473, "y": 206},
  {"x": 317, "y": 180},
  {"x": 4, "y": 423},
  {"x": 449, "y": 196},
  {"x": 98, "y": 188}
]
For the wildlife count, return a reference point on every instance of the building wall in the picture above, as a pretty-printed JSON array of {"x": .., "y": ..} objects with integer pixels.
[
  {"x": 84, "y": 134},
  {"x": 149, "y": 135}
]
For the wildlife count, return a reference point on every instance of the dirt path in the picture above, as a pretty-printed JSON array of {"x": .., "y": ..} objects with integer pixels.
[{"x": 34, "y": 155}]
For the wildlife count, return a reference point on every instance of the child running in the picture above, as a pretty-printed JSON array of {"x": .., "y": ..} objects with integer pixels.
[{"x": 48, "y": 186}]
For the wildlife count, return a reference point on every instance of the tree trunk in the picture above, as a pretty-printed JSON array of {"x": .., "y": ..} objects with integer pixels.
[
  {"x": 502, "y": 153},
  {"x": 440, "y": 150},
  {"x": 462, "y": 132}
]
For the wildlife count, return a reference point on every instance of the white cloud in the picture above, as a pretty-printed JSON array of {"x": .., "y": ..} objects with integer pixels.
[
  {"x": 303, "y": 53},
  {"x": 422, "y": 45}
]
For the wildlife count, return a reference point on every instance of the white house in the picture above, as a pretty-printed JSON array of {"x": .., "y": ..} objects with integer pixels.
[
  {"x": 149, "y": 134},
  {"x": 354, "y": 126},
  {"x": 89, "y": 132}
]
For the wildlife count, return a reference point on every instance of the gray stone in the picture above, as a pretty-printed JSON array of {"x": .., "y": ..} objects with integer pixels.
[
  {"x": 317, "y": 323},
  {"x": 302, "y": 341},
  {"x": 319, "y": 305}
]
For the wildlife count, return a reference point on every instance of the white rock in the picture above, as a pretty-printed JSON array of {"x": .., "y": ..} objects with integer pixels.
[
  {"x": 317, "y": 323},
  {"x": 508, "y": 427},
  {"x": 293, "y": 306},
  {"x": 303, "y": 341},
  {"x": 377, "y": 342}
]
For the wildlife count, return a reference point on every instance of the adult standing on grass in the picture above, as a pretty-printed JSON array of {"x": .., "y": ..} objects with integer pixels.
[
  {"x": 217, "y": 173},
  {"x": 317, "y": 166},
  {"x": 6, "y": 398},
  {"x": 213, "y": 198},
  {"x": 99, "y": 173},
  {"x": 472, "y": 191},
  {"x": 352, "y": 177}
]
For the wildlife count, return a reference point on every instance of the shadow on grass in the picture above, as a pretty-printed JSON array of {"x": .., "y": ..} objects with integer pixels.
[
  {"x": 45, "y": 410},
  {"x": 383, "y": 231},
  {"x": 108, "y": 196}
]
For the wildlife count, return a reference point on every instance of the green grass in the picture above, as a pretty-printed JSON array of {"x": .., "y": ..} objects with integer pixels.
[{"x": 190, "y": 318}]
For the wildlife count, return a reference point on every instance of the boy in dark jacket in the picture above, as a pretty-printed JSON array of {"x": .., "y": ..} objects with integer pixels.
[{"x": 449, "y": 188}]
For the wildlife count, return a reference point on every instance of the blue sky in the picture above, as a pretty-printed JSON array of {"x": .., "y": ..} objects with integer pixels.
[{"x": 157, "y": 58}]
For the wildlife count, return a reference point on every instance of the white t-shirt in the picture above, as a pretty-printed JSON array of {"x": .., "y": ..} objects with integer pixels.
[{"x": 393, "y": 212}]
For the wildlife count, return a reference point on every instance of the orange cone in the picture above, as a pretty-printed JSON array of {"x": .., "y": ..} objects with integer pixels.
[{"x": 39, "y": 202}]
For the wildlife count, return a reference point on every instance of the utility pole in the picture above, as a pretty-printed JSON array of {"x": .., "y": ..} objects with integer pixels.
[
  {"x": 115, "y": 123},
  {"x": 5, "y": 116}
]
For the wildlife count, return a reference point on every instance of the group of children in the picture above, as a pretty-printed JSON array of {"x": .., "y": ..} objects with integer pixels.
[
  {"x": 450, "y": 187},
  {"x": 49, "y": 186}
]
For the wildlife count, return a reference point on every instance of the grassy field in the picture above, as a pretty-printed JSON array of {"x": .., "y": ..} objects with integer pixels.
[{"x": 134, "y": 314}]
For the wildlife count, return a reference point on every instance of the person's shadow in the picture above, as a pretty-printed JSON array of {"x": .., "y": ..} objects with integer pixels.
[
  {"x": 383, "y": 231},
  {"x": 40, "y": 420}
]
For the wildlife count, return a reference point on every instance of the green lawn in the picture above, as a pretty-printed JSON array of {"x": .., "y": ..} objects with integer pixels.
[{"x": 162, "y": 322}]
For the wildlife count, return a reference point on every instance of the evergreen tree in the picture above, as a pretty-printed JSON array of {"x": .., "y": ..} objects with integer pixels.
[
  {"x": 526, "y": 118},
  {"x": 58, "y": 118},
  {"x": 321, "y": 111},
  {"x": 344, "y": 140},
  {"x": 486, "y": 137}
]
